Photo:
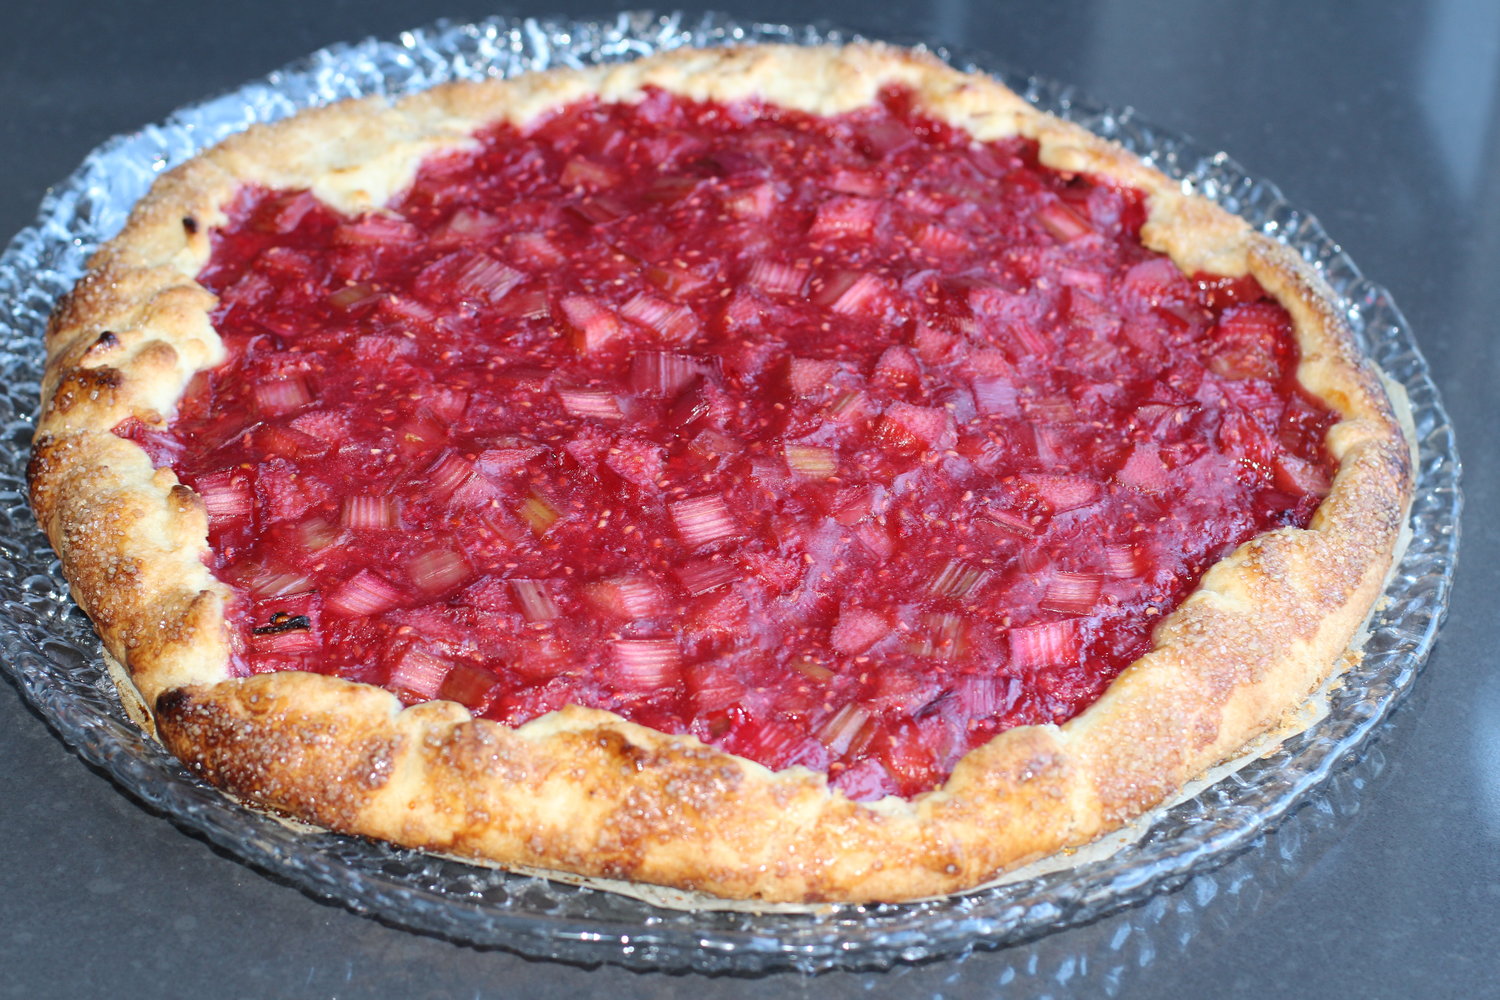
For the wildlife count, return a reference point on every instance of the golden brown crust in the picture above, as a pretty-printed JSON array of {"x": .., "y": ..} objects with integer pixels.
[{"x": 583, "y": 790}]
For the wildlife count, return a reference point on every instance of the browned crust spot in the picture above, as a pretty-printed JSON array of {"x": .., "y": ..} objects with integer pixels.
[{"x": 586, "y": 791}]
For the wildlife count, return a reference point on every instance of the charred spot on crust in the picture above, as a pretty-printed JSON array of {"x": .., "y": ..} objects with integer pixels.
[
  {"x": 172, "y": 702},
  {"x": 189, "y": 225},
  {"x": 621, "y": 749},
  {"x": 41, "y": 449},
  {"x": 281, "y": 622},
  {"x": 85, "y": 384},
  {"x": 181, "y": 497},
  {"x": 106, "y": 342}
]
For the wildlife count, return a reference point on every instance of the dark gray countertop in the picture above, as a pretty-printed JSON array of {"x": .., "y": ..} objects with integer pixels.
[{"x": 1380, "y": 118}]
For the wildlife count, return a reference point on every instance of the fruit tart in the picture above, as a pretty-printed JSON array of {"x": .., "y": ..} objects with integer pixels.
[{"x": 786, "y": 473}]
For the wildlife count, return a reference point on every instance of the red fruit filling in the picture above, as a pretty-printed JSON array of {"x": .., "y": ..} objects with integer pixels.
[{"x": 846, "y": 443}]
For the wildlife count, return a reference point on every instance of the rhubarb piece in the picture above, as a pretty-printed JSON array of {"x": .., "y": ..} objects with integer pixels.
[
  {"x": 418, "y": 675},
  {"x": 1249, "y": 341},
  {"x": 227, "y": 496},
  {"x": 957, "y": 579},
  {"x": 839, "y": 732},
  {"x": 439, "y": 571},
  {"x": 775, "y": 277},
  {"x": 597, "y": 404},
  {"x": 845, "y": 217},
  {"x": 630, "y": 597},
  {"x": 594, "y": 324},
  {"x": 646, "y": 664},
  {"x": 538, "y": 513},
  {"x": 663, "y": 374},
  {"x": 580, "y": 171},
  {"x": 281, "y": 396},
  {"x": 1045, "y": 644},
  {"x": 670, "y": 321},
  {"x": 535, "y": 600},
  {"x": 858, "y": 629},
  {"x": 482, "y": 276},
  {"x": 1072, "y": 593},
  {"x": 705, "y": 575},
  {"x": 865, "y": 296},
  {"x": 703, "y": 520},
  {"x": 364, "y": 594},
  {"x": 807, "y": 376},
  {"x": 367, "y": 513},
  {"x": 810, "y": 461},
  {"x": 1062, "y": 222}
]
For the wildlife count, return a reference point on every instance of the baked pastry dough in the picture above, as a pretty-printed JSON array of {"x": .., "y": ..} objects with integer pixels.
[{"x": 583, "y": 790}]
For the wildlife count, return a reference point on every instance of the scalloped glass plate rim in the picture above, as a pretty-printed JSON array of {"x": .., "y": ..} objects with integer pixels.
[{"x": 55, "y": 658}]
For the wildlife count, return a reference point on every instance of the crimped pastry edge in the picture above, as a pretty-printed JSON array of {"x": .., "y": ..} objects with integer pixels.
[{"x": 585, "y": 790}]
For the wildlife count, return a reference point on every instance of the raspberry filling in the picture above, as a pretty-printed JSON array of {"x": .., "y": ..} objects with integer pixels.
[{"x": 840, "y": 442}]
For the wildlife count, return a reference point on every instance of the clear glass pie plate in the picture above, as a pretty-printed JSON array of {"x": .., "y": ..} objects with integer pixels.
[{"x": 50, "y": 649}]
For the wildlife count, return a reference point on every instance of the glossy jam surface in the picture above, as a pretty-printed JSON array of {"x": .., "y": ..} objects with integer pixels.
[{"x": 843, "y": 442}]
